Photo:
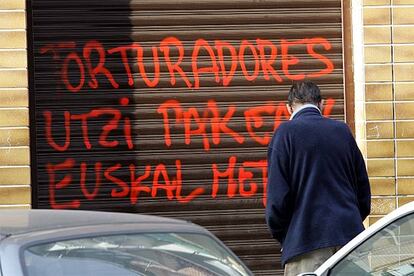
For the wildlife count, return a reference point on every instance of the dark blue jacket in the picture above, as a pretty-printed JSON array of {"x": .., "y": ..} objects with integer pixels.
[{"x": 318, "y": 190}]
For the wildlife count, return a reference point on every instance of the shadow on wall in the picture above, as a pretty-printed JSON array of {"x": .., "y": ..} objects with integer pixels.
[{"x": 83, "y": 110}]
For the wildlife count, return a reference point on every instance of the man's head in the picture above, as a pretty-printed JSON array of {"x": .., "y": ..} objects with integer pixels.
[{"x": 301, "y": 93}]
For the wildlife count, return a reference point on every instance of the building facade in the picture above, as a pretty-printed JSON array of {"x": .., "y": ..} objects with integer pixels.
[{"x": 204, "y": 118}]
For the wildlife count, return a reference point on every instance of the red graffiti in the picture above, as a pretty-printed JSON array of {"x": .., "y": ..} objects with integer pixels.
[
  {"x": 267, "y": 62},
  {"x": 85, "y": 67},
  {"x": 165, "y": 48},
  {"x": 48, "y": 131},
  {"x": 53, "y": 185},
  {"x": 226, "y": 75},
  {"x": 263, "y": 64},
  {"x": 237, "y": 184},
  {"x": 65, "y": 72},
  {"x": 163, "y": 182},
  {"x": 220, "y": 124},
  {"x": 210, "y": 123},
  {"x": 196, "y": 122},
  {"x": 201, "y": 43},
  {"x": 100, "y": 68},
  {"x": 84, "y": 189},
  {"x": 242, "y": 52},
  {"x": 111, "y": 125},
  {"x": 254, "y": 120},
  {"x": 154, "y": 181}
]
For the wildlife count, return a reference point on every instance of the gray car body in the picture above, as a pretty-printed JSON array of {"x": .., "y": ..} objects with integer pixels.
[{"x": 20, "y": 229}]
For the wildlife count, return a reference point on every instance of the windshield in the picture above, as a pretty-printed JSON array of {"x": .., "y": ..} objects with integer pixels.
[
  {"x": 390, "y": 252},
  {"x": 133, "y": 254}
]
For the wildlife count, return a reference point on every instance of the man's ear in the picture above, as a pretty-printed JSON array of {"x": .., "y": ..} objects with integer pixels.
[
  {"x": 289, "y": 108},
  {"x": 320, "y": 105}
]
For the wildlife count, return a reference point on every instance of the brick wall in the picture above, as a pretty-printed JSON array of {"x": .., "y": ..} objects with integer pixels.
[
  {"x": 389, "y": 102},
  {"x": 14, "y": 115}
]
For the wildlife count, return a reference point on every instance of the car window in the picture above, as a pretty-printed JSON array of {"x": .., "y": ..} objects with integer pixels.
[
  {"x": 132, "y": 254},
  {"x": 389, "y": 252}
]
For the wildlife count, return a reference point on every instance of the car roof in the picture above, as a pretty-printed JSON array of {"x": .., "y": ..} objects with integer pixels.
[
  {"x": 398, "y": 213},
  {"x": 24, "y": 221}
]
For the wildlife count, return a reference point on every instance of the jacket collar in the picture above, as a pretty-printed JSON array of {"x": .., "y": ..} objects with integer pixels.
[{"x": 307, "y": 109}]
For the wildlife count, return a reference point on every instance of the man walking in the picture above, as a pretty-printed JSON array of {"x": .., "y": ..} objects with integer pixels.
[{"x": 318, "y": 188}]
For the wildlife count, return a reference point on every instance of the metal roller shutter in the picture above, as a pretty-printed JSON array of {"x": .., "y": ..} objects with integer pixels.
[{"x": 166, "y": 106}]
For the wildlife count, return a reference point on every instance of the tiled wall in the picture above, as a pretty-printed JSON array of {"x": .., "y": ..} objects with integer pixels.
[
  {"x": 14, "y": 115},
  {"x": 389, "y": 102}
]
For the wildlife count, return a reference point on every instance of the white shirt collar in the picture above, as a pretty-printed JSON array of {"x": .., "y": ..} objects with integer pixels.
[{"x": 303, "y": 107}]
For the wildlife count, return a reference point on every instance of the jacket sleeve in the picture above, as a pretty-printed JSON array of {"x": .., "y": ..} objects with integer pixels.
[
  {"x": 278, "y": 190},
  {"x": 363, "y": 189}
]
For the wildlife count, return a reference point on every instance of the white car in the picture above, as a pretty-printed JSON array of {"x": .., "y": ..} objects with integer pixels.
[{"x": 386, "y": 248}]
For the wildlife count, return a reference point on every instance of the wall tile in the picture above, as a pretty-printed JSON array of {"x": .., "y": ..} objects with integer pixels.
[
  {"x": 378, "y": 92},
  {"x": 13, "y": 207},
  {"x": 380, "y": 149},
  {"x": 403, "y": 15},
  {"x": 379, "y": 111},
  {"x": 13, "y": 78},
  {"x": 404, "y": 53},
  {"x": 405, "y": 167},
  {"x": 402, "y": 2},
  {"x": 405, "y": 186},
  {"x": 374, "y": 16},
  {"x": 373, "y": 219},
  {"x": 377, "y": 54},
  {"x": 14, "y": 137},
  {"x": 14, "y": 97},
  {"x": 374, "y": 35},
  {"x": 13, "y": 39},
  {"x": 376, "y": 2},
  {"x": 15, "y": 195},
  {"x": 18, "y": 156},
  {"x": 403, "y": 34},
  {"x": 382, "y": 186},
  {"x": 13, "y": 59},
  {"x": 13, "y": 20},
  {"x": 380, "y": 130},
  {"x": 405, "y": 129},
  {"x": 14, "y": 117},
  {"x": 15, "y": 176},
  {"x": 12, "y": 4},
  {"x": 376, "y": 73},
  {"x": 382, "y": 206},
  {"x": 404, "y": 200},
  {"x": 403, "y": 72},
  {"x": 405, "y": 148},
  {"x": 404, "y": 110},
  {"x": 404, "y": 91},
  {"x": 381, "y": 167}
]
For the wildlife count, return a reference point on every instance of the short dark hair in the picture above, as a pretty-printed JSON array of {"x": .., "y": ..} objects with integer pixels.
[{"x": 304, "y": 92}]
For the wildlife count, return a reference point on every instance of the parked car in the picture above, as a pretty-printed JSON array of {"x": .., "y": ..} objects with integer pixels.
[
  {"x": 69, "y": 243},
  {"x": 386, "y": 248}
]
